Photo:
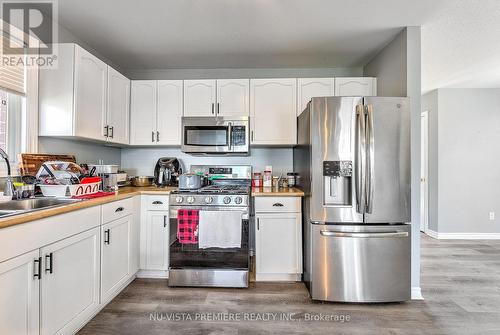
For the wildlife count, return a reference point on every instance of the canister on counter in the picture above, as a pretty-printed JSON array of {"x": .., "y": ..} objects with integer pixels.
[
  {"x": 290, "y": 176},
  {"x": 268, "y": 179},
  {"x": 257, "y": 179}
]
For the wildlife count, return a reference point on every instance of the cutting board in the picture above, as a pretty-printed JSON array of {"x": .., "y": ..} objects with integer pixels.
[{"x": 31, "y": 163}]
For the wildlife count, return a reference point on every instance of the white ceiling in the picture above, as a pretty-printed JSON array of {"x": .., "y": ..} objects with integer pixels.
[{"x": 460, "y": 38}]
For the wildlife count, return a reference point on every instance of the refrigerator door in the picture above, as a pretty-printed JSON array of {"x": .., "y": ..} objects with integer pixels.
[
  {"x": 334, "y": 171},
  {"x": 388, "y": 160},
  {"x": 360, "y": 263}
]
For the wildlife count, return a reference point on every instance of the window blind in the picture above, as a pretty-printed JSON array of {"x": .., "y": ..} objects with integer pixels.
[{"x": 12, "y": 74}]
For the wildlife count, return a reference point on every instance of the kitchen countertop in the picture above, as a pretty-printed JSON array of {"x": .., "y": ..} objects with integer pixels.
[
  {"x": 123, "y": 193},
  {"x": 277, "y": 192}
]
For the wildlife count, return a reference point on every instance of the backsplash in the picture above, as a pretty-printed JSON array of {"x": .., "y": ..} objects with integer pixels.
[{"x": 141, "y": 161}]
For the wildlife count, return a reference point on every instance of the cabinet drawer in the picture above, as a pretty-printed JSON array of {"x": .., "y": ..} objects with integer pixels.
[
  {"x": 156, "y": 202},
  {"x": 116, "y": 210},
  {"x": 277, "y": 204}
]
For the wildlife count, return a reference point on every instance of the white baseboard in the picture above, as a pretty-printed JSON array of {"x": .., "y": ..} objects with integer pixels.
[
  {"x": 463, "y": 236},
  {"x": 416, "y": 293},
  {"x": 152, "y": 274}
]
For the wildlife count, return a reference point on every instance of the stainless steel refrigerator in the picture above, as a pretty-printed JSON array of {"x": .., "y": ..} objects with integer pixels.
[{"x": 353, "y": 156}]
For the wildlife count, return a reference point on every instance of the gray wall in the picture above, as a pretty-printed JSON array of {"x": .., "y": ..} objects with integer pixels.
[
  {"x": 397, "y": 67},
  {"x": 244, "y": 73},
  {"x": 430, "y": 104},
  {"x": 141, "y": 161},
  {"x": 468, "y": 129},
  {"x": 84, "y": 152}
]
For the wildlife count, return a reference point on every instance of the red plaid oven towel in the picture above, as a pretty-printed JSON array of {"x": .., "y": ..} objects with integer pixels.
[{"x": 187, "y": 226}]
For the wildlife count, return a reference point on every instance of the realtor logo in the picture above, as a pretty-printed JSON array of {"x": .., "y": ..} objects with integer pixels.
[{"x": 29, "y": 30}]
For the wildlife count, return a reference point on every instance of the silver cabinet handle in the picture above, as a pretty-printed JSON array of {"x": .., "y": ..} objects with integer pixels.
[
  {"x": 278, "y": 204},
  {"x": 119, "y": 209},
  {"x": 360, "y": 159},
  {"x": 107, "y": 236},
  {"x": 330, "y": 233},
  {"x": 106, "y": 131},
  {"x": 370, "y": 156},
  {"x": 112, "y": 130},
  {"x": 157, "y": 202},
  {"x": 157, "y": 136},
  {"x": 152, "y": 136},
  {"x": 164, "y": 221},
  {"x": 251, "y": 136},
  {"x": 37, "y": 273},
  {"x": 212, "y": 108},
  {"x": 218, "y": 108},
  {"x": 258, "y": 224}
]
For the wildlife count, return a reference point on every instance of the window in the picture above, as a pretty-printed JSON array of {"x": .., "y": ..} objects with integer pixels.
[{"x": 12, "y": 128}]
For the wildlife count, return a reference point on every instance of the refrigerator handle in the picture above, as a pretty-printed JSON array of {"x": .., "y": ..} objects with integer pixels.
[
  {"x": 360, "y": 156},
  {"x": 370, "y": 156}
]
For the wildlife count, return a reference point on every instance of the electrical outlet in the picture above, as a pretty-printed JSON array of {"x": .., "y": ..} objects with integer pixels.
[{"x": 492, "y": 216}]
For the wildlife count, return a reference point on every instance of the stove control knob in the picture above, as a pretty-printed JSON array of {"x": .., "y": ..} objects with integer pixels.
[
  {"x": 190, "y": 200},
  {"x": 179, "y": 199},
  {"x": 238, "y": 200},
  {"x": 209, "y": 200},
  {"x": 227, "y": 200}
]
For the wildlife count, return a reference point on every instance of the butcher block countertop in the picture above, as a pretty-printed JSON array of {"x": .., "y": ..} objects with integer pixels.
[
  {"x": 122, "y": 193},
  {"x": 277, "y": 192}
]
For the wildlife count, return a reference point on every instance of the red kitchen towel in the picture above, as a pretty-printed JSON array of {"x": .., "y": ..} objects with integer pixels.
[{"x": 187, "y": 226}]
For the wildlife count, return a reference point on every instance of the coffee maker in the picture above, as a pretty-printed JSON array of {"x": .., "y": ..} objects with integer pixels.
[{"x": 167, "y": 171}]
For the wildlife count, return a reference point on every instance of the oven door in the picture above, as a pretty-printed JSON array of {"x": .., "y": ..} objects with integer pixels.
[
  {"x": 183, "y": 256},
  {"x": 215, "y": 135}
]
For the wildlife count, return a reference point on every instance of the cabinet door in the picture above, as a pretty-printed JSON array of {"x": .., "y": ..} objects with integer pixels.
[
  {"x": 355, "y": 86},
  {"x": 233, "y": 97},
  {"x": 308, "y": 88},
  {"x": 278, "y": 242},
  {"x": 70, "y": 285},
  {"x": 19, "y": 295},
  {"x": 90, "y": 89},
  {"x": 143, "y": 112},
  {"x": 169, "y": 112},
  {"x": 273, "y": 111},
  {"x": 118, "y": 107},
  {"x": 157, "y": 240},
  {"x": 199, "y": 97},
  {"x": 115, "y": 256}
]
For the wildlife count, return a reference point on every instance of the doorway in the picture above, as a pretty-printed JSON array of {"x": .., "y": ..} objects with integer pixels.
[{"x": 424, "y": 172}]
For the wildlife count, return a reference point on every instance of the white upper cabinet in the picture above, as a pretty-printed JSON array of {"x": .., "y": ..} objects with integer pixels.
[
  {"x": 19, "y": 294},
  {"x": 233, "y": 97},
  {"x": 355, "y": 86},
  {"x": 308, "y": 88},
  {"x": 273, "y": 111},
  {"x": 169, "y": 112},
  {"x": 117, "y": 125},
  {"x": 84, "y": 98},
  {"x": 143, "y": 112},
  {"x": 200, "y": 97},
  {"x": 90, "y": 89}
]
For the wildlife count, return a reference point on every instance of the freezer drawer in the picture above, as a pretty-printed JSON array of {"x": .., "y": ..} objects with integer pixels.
[{"x": 360, "y": 263}]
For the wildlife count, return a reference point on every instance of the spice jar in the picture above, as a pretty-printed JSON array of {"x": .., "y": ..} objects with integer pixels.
[
  {"x": 257, "y": 179},
  {"x": 290, "y": 176}
]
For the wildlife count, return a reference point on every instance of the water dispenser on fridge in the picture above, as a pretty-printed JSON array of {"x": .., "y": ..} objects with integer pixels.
[{"x": 337, "y": 176}]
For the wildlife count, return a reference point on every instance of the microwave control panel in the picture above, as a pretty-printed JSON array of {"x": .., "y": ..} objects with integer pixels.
[{"x": 239, "y": 135}]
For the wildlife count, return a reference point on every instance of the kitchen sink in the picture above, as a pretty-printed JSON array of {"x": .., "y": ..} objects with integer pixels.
[{"x": 15, "y": 207}]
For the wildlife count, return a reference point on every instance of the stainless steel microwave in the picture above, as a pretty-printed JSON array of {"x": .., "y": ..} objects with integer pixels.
[{"x": 215, "y": 135}]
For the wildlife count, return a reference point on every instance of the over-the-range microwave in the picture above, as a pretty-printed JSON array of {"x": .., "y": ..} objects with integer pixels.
[{"x": 215, "y": 135}]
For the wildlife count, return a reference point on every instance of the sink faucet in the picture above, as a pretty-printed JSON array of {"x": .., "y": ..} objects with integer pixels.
[{"x": 9, "y": 187}]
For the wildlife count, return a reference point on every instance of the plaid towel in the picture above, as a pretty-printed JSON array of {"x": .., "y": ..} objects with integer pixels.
[{"x": 187, "y": 226}]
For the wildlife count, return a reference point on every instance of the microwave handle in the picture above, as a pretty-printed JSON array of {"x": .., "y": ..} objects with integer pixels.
[{"x": 230, "y": 135}]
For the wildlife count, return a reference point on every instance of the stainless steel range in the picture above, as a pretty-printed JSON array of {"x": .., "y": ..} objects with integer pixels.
[{"x": 228, "y": 194}]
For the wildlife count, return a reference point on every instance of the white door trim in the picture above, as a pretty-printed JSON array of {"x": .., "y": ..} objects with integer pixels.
[{"x": 424, "y": 172}]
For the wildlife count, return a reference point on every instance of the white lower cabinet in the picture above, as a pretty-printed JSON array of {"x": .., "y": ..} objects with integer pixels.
[
  {"x": 70, "y": 282},
  {"x": 278, "y": 239},
  {"x": 115, "y": 256},
  {"x": 19, "y": 294},
  {"x": 157, "y": 240}
]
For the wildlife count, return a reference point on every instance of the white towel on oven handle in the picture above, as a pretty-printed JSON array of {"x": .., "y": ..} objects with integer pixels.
[{"x": 219, "y": 229}]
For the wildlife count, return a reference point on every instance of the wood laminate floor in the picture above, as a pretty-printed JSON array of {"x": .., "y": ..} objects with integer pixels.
[{"x": 460, "y": 283}]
